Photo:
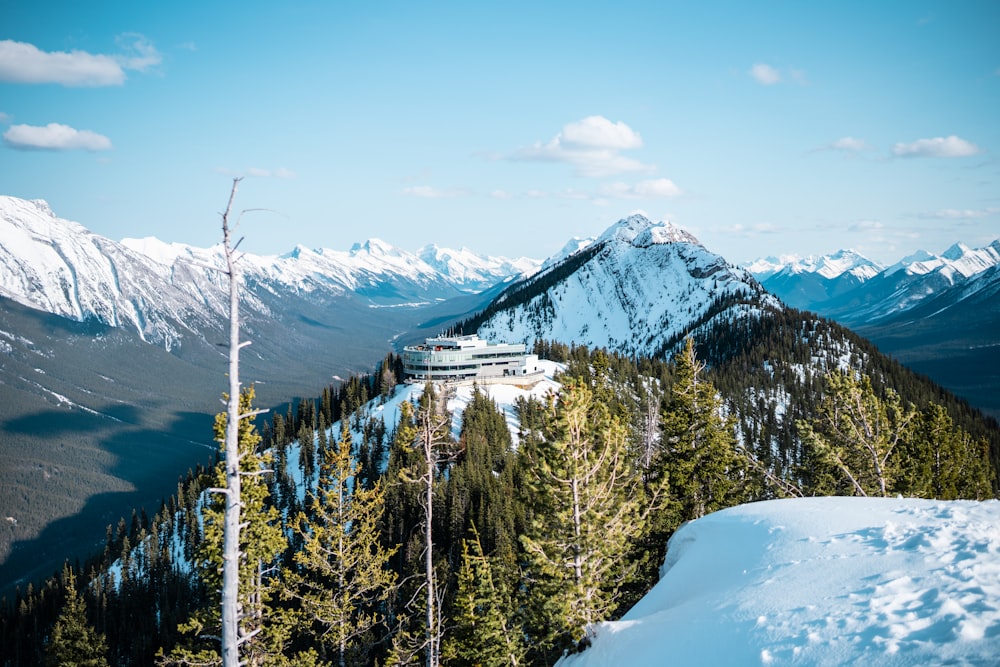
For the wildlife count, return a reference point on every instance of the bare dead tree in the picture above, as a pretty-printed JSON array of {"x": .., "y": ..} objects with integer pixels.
[
  {"x": 232, "y": 612},
  {"x": 231, "y": 521}
]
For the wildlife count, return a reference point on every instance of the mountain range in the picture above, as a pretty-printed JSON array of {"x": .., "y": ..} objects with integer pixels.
[
  {"x": 114, "y": 352},
  {"x": 113, "y": 357},
  {"x": 938, "y": 314}
]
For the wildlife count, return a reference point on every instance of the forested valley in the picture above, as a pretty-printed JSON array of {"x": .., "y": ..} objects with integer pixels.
[{"x": 374, "y": 543}]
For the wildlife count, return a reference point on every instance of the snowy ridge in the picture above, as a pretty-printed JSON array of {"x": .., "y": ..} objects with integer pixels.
[
  {"x": 166, "y": 291},
  {"x": 957, "y": 262},
  {"x": 60, "y": 267},
  {"x": 819, "y": 581},
  {"x": 647, "y": 284},
  {"x": 828, "y": 266},
  {"x": 474, "y": 271},
  {"x": 853, "y": 289}
]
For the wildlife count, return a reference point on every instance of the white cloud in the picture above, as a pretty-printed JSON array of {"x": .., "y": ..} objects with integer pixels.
[
  {"x": 140, "y": 52},
  {"x": 501, "y": 194},
  {"x": 599, "y": 132},
  {"x": 257, "y": 172},
  {"x": 962, "y": 214},
  {"x": 592, "y": 146},
  {"x": 765, "y": 74},
  {"x": 280, "y": 172},
  {"x": 21, "y": 62},
  {"x": 657, "y": 187},
  {"x": 866, "y": 226},
  {"x": 768, "y": 75},
  {"x": 937, "y": 147},
  {"x": 850, "y": 144},
  {"x": 752, "y": 230},
  {"x": 5, "y": 117},
  {"x": 24, "y": 63},
  {"x": 428, "y": 192},
  {"x": 54, "y": 137}
]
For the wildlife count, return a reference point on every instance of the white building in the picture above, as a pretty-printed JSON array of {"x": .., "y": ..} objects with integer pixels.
[{"x": 458, "y": 358}]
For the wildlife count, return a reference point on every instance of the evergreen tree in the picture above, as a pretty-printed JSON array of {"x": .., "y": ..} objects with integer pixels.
[
  {"x": 74, "y": 643},
  {"x": 482, "y": 632},
  {"x": 421, "y": 449},
  {"x": 950, "y": 463},
  {"x": 341, "y": 579},
  {"x": 261, "y": 541},
  {"x": 586, "y": 503},
  {"x": 856, "y": 436},
  {"x": 479, "y": 484},
  {"x": 698, "y": 445}
]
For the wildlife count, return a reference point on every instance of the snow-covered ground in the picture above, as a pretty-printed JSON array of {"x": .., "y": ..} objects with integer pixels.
[
  {"x": 505, "y": 397},
  {"x": 820, "y": 581}
]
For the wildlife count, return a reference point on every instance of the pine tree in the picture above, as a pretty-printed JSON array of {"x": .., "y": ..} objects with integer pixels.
[
  {"x": 586, "y": 503},
  {"x": 943, "y": 461},
  {"x": 856, "y": 434},
  {"x": 342, "y": 578},
  {"x": 482, "y": 632},
  {"x": 478, "y": 487},
  {"x": 74, "y": 643},
  {"x": 261, "y": 541},
  {"x": 698, "y": 444},
  {"x": 420, "y": 450}
]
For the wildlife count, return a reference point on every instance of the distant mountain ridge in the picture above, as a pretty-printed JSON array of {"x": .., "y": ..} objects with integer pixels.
[
  {"x": 853, "y": 289},
  {"x": 169, "y": 291},
  {"x": 939, "y": 314}
]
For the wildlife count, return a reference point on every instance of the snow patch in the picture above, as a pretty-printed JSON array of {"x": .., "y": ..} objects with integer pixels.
[{"x": 820, "y": 581}]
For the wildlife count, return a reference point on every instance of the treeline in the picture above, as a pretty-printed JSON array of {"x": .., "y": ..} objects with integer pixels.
[{"x": 396, "y": 544}]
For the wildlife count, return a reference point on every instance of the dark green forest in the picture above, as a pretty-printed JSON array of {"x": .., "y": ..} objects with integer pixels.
[{"x": 394, "y": 544}]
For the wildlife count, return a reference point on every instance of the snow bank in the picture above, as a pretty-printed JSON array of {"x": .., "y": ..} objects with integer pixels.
[{"x": 820, "y": 581}]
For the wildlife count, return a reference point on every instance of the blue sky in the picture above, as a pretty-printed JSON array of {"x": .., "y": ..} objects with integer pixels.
[{"x": 762, "y": 128}]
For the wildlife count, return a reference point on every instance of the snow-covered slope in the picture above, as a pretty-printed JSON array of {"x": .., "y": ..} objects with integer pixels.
[
  {"x": 166, "y": 291},
  {"x": 913, "y": 280},
  {"x": 820, "y": 581},
  {"x": 637, "y": 289},
  {"x": 957, "y": 261},
  {"x": 59, "y": 267}
]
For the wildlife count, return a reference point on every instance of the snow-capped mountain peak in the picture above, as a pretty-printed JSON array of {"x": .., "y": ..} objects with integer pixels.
[
  {"x": 853, "y": 289},
  {"x": 641, "y": 232},
  {"x": 829, "y": 266},
  {"x": 637, "y": 289},
  {"x": 958, "y": 259},
  {"x": 847, "y": 261},
  {"x": 956, "y": 251},
  {"x": 376, "y": 248},
  {"x": 475, "y": 271},
  {"x": 165, "y": 291},
  {"x": 160, "y": 251}
]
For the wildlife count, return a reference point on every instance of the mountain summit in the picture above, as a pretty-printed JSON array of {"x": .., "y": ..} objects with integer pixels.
[
  {"x": 640, "y": 231},
  {"x": 638, "y": 288}
]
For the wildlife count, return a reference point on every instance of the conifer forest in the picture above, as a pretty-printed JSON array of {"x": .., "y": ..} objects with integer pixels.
[{"x": 373, "y": 543}]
